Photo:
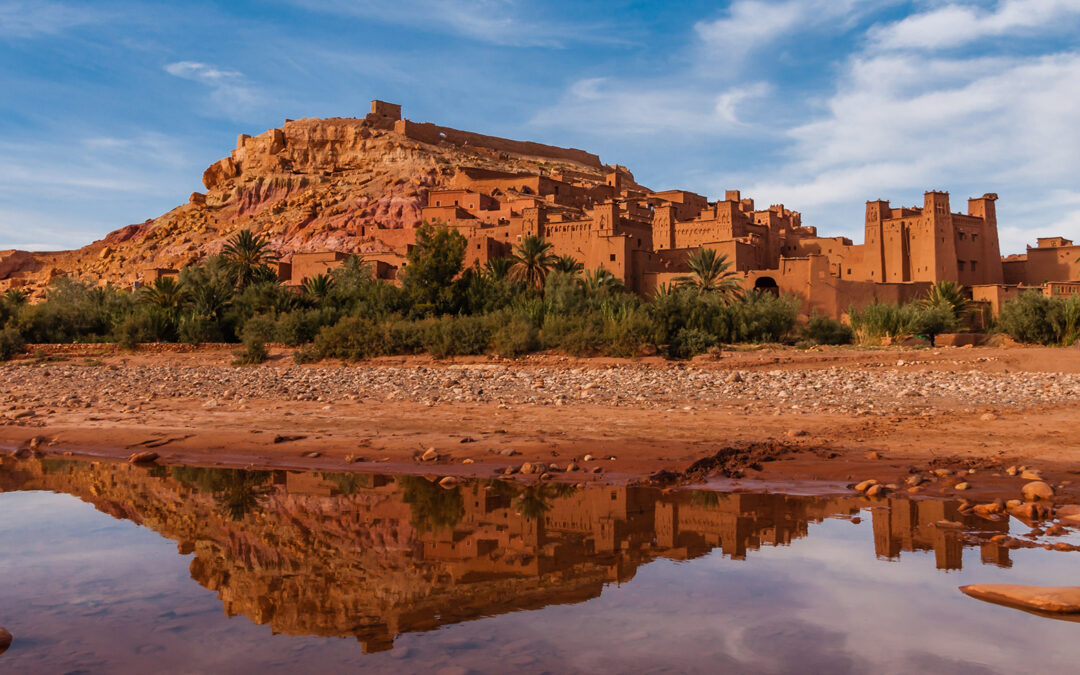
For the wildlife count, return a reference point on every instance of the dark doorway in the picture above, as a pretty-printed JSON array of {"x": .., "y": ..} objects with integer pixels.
[{"x": 766, "y": 285}]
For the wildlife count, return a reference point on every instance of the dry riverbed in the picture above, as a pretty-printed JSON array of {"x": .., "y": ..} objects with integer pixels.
[{"x": 954, "y": 419}]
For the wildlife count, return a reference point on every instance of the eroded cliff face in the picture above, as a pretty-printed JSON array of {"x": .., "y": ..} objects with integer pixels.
[{"x": 337, "y": 184}]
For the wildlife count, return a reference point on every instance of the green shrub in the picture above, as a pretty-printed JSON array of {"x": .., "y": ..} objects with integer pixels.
[
  {"x": 629, "y": 334},
  {"x": 690, "y": 342},
  {"x": 821, "y": 330},
  {"x": 1032, "y": 317},
  {"x": 761, "y": 317},
  {"x": 253, "y": 354},
  {"x": 880, "y": 320},
  {"x": 196, "y": 330},
  {"x": 932, "y": 320},
  {"x": 350, "y": 339},
  {"x": 148, "y": 324},
  {"x": 457, "y": 336},
  {"x": 11, "y": 343},
  {"x": 575, "y": 335},
  {"x": 515, "y": 337}
]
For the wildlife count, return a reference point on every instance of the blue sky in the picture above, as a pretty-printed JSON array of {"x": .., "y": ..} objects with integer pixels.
[{"x": 110, "y": 111}]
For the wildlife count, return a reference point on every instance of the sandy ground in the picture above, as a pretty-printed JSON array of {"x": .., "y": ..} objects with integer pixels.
[{"x": 761, "y": 443}]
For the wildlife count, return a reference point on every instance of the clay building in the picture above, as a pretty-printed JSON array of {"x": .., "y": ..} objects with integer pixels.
[{"x": 599, "y": 215}]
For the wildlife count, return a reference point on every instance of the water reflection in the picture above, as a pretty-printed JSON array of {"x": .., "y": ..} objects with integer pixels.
[{"x": 375, "y": 556}]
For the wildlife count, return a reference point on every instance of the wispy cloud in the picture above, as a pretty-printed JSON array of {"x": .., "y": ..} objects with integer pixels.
[
  {"x": 230, "y": 92},
  {"x": 751, "y": 25},
  {"x": 509, "y": 23},
  {"x": 607, "y": 107},
  {"x": 960, "y": 24},
  {"x": 21, "y": 20}
]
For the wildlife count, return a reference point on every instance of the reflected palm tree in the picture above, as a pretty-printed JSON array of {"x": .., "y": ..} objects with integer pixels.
[{"x": 535, "y": 500}]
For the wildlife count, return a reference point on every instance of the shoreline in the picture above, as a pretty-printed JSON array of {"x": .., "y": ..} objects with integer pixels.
[{"x": 556, "y": 410}]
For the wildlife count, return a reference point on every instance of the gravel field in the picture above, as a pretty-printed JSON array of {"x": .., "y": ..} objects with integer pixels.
[{"x": 889, "y": 388}]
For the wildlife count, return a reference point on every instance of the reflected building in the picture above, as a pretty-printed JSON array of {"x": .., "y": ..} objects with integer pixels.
[{"x": 374, "y": 556}]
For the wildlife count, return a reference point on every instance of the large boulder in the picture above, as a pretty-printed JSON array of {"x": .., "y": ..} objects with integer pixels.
[{"x": 1052, "y": 599}]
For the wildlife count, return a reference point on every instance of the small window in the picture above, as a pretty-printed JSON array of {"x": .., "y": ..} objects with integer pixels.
[
  {"x": 478, "y": 247},
  {"x": 973, "y": 265},
  {"x": 612, "y": 257},
  {"x": 960, "y": 263},
  {"x": 974, "y": 237}
]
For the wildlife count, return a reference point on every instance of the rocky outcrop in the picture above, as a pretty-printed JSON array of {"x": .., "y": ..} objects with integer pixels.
[{"x": 312, "y": 184}]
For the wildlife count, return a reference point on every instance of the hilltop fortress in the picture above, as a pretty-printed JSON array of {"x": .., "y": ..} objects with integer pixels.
[{"x": 324, "y": 189}]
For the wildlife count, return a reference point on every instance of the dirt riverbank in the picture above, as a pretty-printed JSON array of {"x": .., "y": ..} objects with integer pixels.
[{"x": 829, "y": 417}]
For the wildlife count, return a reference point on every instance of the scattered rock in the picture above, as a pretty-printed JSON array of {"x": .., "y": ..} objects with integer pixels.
[
  {"x": 988, "y": 417},
  {"x": 5, "y": 639},
  {"x": 468, "y": 460},
  {"x": 865, "y": 485},
  {"x": 797, "y": 433},
  {"x": 145, "y": 457},
  {"x": 962, "y": 486},
  {"x": 1037, "y": 490},
  {"x": 430, "y": 455},
  {"x": 942, "y": 473},
  {"x": 508, "y": 452},
  {"x": 587, "y": 458},
  {"x": 734, "y": 378},
  {"x": 572, "y": 466},
  {"x": 312, "y": 454},
  {"x": 1031, "y": 474},
  {"x": 875, "y": 491},
  {"x": 1052, "y": 599},
  {"x": 948, "y": 525},
  {"x": 1012, "y": 471},
  {"x": 916, "y": 479},
  {"x": 448, "y": 482},
  {"x": 287, "y": 439}
]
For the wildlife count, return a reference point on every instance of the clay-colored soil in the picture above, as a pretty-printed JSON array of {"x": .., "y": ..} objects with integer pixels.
[{"x": 99, "y": 402}]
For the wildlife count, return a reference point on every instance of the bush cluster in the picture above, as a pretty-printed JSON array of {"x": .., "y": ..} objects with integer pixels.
[{"x": 512, "y": 306}]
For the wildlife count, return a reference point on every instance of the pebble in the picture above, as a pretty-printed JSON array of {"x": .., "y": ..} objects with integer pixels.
[
  {"x": 840, "y": 388},
  {"x": 430, "y": 455}
]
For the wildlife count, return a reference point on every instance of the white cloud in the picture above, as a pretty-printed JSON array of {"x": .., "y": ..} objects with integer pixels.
[
  {"x": 958, "y": 24},
  {"x": 603, "y": 106},
  {"x": 39, "y": 18},
  {"x": 510, "y": 23},
  {"x": 229, "y": 91},
  {"x": 752, "y": 25},
  {"x": 902, "y": 123}
]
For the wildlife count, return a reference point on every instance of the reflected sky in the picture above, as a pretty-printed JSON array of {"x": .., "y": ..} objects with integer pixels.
[{"x": 85, "y": 591}]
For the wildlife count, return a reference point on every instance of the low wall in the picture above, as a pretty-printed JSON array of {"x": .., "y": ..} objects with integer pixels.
[{"x": 427, "y": 132}]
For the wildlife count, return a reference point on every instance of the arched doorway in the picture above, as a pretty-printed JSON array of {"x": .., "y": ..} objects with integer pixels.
[{"x": 766, "y": 285}]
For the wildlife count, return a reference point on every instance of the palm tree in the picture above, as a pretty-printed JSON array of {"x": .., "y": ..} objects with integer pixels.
[
  {"x": 948, "y": 294},
  {"x": 532, "y": 260},
  {"x": 663, "y": 291},
  {"x": 15, "y": 297},
  {"x": 711, "y": 273},
  {"x": 600, "y": 280},
  {"x": 318, "y": 287},
  {"x": 166, "y": 293},
  {"x": 210, "y": 300},
  {"x": 567, "y": 264},
  {"x": 249, "y": 257},
  {"x": 498, "y": 268}
]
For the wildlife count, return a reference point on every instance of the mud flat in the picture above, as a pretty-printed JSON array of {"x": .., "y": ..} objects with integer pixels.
[{"x": 831, "y": 418}]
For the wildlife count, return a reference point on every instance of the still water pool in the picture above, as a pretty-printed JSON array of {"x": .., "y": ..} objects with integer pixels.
[{"x": 108, "y": 568}]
